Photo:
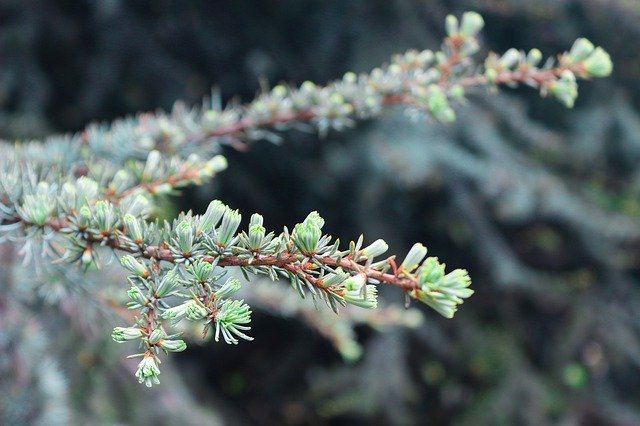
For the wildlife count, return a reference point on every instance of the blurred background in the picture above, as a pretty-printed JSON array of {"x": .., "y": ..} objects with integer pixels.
[{"x": 540, "y": 203}]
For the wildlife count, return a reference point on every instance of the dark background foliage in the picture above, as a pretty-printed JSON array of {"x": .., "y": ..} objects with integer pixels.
[{"x": 538, "y": 202}]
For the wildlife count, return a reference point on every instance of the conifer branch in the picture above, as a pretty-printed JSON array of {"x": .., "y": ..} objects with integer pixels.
[{"x": 70, "y": 197}]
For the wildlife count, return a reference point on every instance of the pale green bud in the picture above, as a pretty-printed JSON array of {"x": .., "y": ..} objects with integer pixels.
[
  {"x": 451, "y": 25},
  {"x": 168, "y": 283},
  {"x": 148, "y": 371},
  {"x": 173, "y": 345},
  {"x": 376, "y": 248},
  {"x": 214, "y": 166},
  {"x": 200, "y": 270},
  {"x": 230, "y": 287},
  {"x": 176, "y": 313},
  {"x": 581, "y": 50},
  {"x": 256, "y": 232},
  {"x": 133, "y": 228},
  {"x": 163, "y": 189},
  {"x": 212, "y": 216},
  {"x": 152, "y": 164},
  {"x": 365, "y": 297},
  {"x": 350, "y": 78},
  {"x": 510, "y": 58},
  {"x": 414, "y": 257},
  {"x": 196, "y": 312},
  {"x": 130, "y": 263},
  {"x": 471, "y": 24},
  {"x": 84, "y": 217},
  {"x": 410, "y": 56},
  {"x": 355, "y": 282},
  {"x": 599, "y": 63},
  {"x": 156, "y": 335},
  {"x": 37, "y": 209},
  {"x": 229, "y": 226},
  {"x": 279, "y": 91},
  {"x": 137, "y": 297},
  {"x": 105, "y": 216},
  {"x": 315, "y": 218},
  {"x": 438, "y": 104},
  {"x": 308, "y": 86},
  {"x": 307, "y": 236},
  {"x": 431, "y": 270},
  {"x": 184, "y": 236},
  {"x": 308, "y": 233},
  {"x": 121, "y": 181},
  {"x": 534, "y": 57},
  {"x": 565, "y": 89},
  {"x": 122, "y": 334}
]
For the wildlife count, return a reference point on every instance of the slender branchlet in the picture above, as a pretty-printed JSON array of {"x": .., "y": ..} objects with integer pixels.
[{"x": 71, "y": 198}]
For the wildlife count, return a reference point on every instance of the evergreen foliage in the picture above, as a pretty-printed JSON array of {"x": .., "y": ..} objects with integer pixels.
[{"x": 83, "y": 199}]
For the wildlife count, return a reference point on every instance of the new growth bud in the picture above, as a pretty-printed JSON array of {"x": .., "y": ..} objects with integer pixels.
[
  {"x": 451, "y": 25},
  {"x": 130, "y": 263},
  {"x": 376, "y": 248},
  {"x": 230, "y": 287},
  {"x": 599, "y": 64},
  {"x": 229, "y": 226},
  {"x": 156, "y": 335},
  {"x": 214, "y": 166},
  {"x": 471, "y": 24},
  {"x": 148, "y": 371},
  {"x": 168, "y": 284},
  {"x": 195, "y": 312},
  {"x": 184, "y": 237},
  {"x": 308, "y": 233},
  {"x": 581, "y": 50},
  {"x": 134, "y": 231},
  {"x": 438, "y": 104},
  {"x": 123, "y": 334},
  {"x": 565, "y": 89},
  {"x": 173, "y": 345},
  {"x": 358, "y": 293},
  {"x": 414, "y": 257},
  {"x": 138, "y": 299},
  {"x": 256, "y": 232},
  {"x": 212, "y": 216}
]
